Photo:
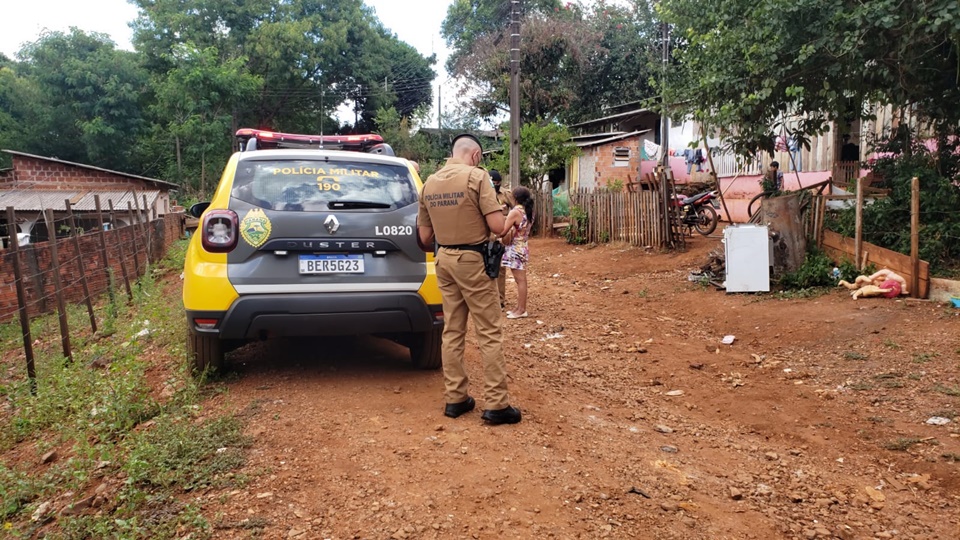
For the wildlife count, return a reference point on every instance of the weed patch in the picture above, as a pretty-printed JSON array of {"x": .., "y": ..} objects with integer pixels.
[
  {"x": 901, "y": 444},
  {"x": 102, "y": 414}
]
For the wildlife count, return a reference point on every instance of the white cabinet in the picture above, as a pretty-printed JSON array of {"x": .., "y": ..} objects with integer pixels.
[{"x": 747, "y": 249}]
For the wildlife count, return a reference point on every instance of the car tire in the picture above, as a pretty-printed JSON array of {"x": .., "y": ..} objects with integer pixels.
[
  {"x": 204, "y": 352},
  {"x": 425, "y": 349}
]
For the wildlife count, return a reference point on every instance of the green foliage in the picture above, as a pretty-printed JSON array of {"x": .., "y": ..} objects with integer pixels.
[
  {"x": 814, "y": 272},
  {"x": 885, "y": 220},
  {"x": 106, "y": 423},
  {"x": 543, "y": 148},
  {"x": 76, "y": 97},
  {"x": 577, "y": 58},
  {"x": 576, "y": 231},
  {"x": 197, "y": 98},
  {"x": 175, "y": 452},
  {"x": 743, "y": 67}
]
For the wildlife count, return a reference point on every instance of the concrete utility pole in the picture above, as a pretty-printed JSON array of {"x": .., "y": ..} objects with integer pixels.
[
  {"x": 514, "y": 94},
  {"x": 664, "y": 121},
  {"x": 665, "y": 140}
]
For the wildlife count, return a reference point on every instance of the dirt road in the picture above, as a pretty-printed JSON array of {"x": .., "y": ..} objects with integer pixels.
[{"x": 638, "y": 422}]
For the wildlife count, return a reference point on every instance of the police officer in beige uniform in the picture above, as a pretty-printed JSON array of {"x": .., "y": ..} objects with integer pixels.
[
  {"x": 505, "y": 198},
  {"x": 459, "y": 207}
]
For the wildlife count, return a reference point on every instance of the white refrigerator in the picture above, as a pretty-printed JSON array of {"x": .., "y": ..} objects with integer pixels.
[{"x": 747, "y": 248}]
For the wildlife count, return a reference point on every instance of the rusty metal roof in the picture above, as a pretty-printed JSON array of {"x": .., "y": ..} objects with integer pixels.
[
  {"x": 80, "y": 200},
  {"x": 619, "y": 137}
]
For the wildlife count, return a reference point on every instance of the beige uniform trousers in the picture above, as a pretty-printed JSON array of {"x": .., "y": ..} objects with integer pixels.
[
  {"x": 502, "y": 286},
  {"x": 467, "y": 290}
]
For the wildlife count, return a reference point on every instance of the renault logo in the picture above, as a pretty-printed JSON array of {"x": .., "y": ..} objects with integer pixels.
[{"x": 331, "y": 224}]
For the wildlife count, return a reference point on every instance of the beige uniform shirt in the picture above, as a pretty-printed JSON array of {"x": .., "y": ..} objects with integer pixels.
[{"x": 454, "y": 201}]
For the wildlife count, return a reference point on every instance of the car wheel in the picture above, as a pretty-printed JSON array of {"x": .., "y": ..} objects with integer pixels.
[
  {"x": 204, "y": 352},
  {"x": 425, "y": 349}
]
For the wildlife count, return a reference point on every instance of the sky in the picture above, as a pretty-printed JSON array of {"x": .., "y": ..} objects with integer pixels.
[{"x": 24, "y": 22}]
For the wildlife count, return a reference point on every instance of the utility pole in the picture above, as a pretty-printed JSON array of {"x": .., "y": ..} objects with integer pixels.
[
  {"x": 664, "y": 121},
  {"x": 665, "y": 139},
  {"x": 514, "y": 94}
]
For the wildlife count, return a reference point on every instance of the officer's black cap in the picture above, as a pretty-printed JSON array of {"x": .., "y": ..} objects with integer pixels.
[
  {"x": 466, "y": 136},
  {"x": 495, "y": 175}
]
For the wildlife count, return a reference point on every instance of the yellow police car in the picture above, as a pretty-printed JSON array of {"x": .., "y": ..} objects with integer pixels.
[{"x": 310, "y": 236}]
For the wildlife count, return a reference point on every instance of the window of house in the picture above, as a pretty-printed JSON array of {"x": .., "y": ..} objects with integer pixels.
[{"x": 621, "y": 156}]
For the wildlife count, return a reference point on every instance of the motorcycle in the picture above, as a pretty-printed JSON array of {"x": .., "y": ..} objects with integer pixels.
[{"x": 698, "y": 211}]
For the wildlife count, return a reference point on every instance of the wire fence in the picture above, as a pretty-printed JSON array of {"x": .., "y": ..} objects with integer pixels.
[{"x": 77, "y": 267}]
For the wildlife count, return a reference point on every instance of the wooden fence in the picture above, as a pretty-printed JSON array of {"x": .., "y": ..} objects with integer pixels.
[
  {"x": 624, "y": 216},
  {"x": 841, "y": 247},
  {"x": 543, "y": 213}
]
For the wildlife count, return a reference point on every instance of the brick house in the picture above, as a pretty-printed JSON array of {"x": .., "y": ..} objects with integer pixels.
[
  {"x": 606, "y": 159},
  {"x": 36, "y": 183}
]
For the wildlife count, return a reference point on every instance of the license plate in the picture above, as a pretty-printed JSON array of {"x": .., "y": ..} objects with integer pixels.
[{"x": 331, "y": 264}]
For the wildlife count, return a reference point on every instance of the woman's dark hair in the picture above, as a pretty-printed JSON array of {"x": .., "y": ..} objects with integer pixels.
[{"x": 523, "y": 197}]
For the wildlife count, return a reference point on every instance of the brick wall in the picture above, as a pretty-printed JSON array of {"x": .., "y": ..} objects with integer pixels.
[
  {"x": 606, "y": 172},
  {"x": 125, "y": 243},
  {"x": 46, "y": 174}
]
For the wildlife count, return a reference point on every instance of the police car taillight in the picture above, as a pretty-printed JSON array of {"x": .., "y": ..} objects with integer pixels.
[{"x": 220, "y": 231}]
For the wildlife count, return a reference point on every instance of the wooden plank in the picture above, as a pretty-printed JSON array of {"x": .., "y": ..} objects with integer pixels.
[
  {"x": 21, "y": 299},
  {"x": 841, "y": 247},
  {"x": 915, "y": 236}
]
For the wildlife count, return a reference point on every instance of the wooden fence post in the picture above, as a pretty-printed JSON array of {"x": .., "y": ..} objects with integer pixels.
[
  {"x": 102, "y": 235},
  {"x": 915, "y": 237},
  {"x": 83, "y": 274},
  {"x": 61, "y": 306},
  {"x": 858, "y": 240},
  {"x": 149, "y": 227},
  {"x": 21, "y": 299},
  {"x": 123, "y": 259},
  {"x": 133, "y": 234},
  {"x": 144, "y": 231}
]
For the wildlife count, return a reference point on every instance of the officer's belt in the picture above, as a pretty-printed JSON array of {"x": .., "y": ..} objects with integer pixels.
[{"x": 467, "y": 247}]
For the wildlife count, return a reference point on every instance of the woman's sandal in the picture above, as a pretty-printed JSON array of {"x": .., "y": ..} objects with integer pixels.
[{"x": 512, "y": 315}]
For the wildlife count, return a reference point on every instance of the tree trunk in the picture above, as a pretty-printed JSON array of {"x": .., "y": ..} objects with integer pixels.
[
  {"x": 176, "y": 139},
  {"x": 782, "y": 216}
]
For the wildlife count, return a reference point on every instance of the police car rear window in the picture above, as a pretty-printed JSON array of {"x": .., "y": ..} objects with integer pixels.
[{"x": 315, "y": 186}]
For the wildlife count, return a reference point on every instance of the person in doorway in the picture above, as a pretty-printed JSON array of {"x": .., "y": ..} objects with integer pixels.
[
  {"x": 849, "y": 151},
  {"x": 505, "y": 198},
  {"x": 459, "y": 208},
  {"x": 772, "y": 181},
  {"x": 519, "y": 222}
]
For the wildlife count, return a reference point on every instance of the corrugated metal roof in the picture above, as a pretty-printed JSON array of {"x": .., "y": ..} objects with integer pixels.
[
  {"x": 80, "y": 200},
  {"x": 619, "y": 116},
  {"x": 586, "y": 144}
]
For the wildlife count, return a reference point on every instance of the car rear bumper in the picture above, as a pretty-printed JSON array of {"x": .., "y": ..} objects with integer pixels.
[{"x": 329, "y": 314}]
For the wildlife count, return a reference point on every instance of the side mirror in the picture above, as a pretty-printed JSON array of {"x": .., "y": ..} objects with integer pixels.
[{"x": 198, "y": 209}]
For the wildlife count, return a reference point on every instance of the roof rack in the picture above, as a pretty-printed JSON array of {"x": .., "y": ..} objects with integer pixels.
[{"x": 257, "y": 139}]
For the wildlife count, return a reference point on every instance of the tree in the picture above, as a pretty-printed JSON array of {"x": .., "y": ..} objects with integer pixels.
[
  {"x": 544, "y": 146},
  {"x": 621, "y": 67},
  {"x": 312, "y": 56},
  {"x": 746, "y": 65},
  {"x": 575, "y": 60},
  {"x": 86, "y": 99},
  {"x": 195, "y": 101}
]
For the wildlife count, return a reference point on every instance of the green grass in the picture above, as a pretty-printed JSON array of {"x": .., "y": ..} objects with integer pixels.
[
  {"x": 108, "y": 427},
  {"x": 890, "y": 344},
  {"x": 901, "y": 444},
  {"x": 923, "y": 358},
  {"x": 953, "y": 391},
  {"x": 852, "y": 355}
]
